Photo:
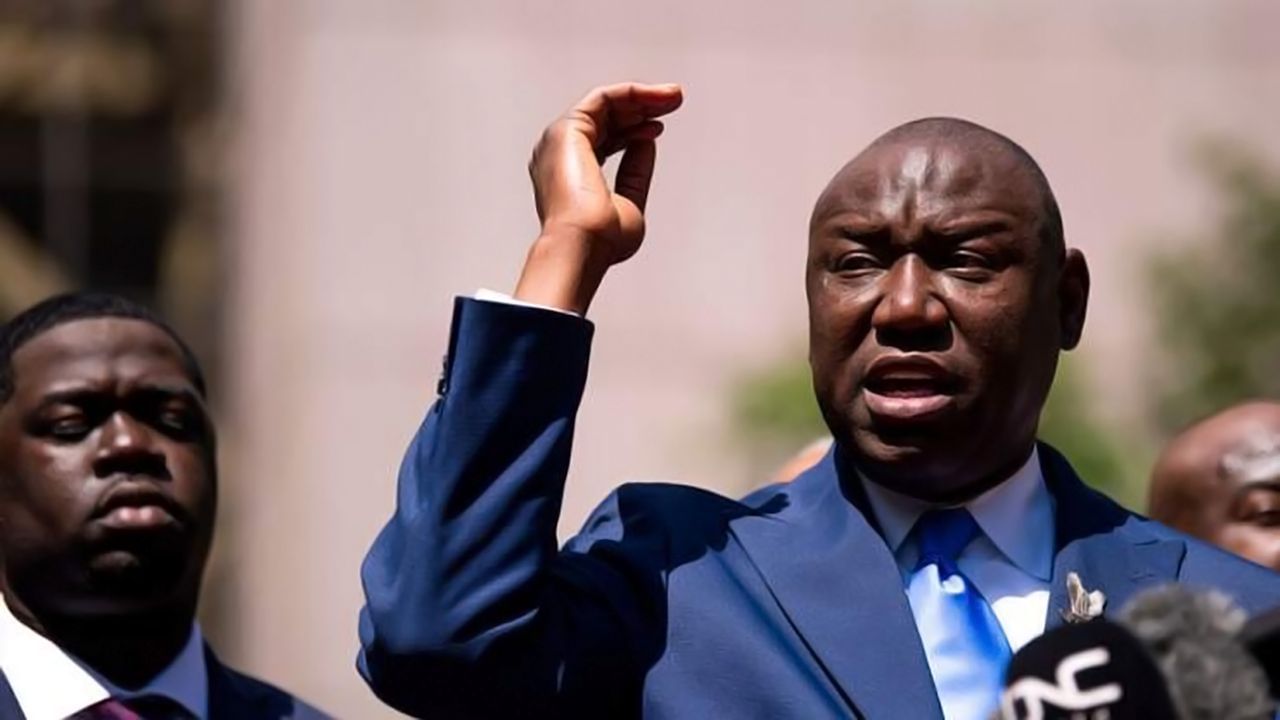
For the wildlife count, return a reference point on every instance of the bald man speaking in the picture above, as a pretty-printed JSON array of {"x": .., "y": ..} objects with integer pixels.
[{"x": 891, "y": 580}]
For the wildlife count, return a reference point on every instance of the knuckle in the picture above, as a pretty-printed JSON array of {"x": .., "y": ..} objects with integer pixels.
[
  {"x": 553, "y": 133},
  {"x": 532, "y": 165}
]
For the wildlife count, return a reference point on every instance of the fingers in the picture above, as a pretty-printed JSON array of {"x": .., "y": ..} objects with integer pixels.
[
  {"x": 635, "y": 171},
  {"x": 626, "y": 104},
  {"x": 647, "y": 130},
  {"x": 612, "y": 109}
]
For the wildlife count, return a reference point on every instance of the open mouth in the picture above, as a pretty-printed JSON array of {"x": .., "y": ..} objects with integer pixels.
[{"x": 909, "y": 389}]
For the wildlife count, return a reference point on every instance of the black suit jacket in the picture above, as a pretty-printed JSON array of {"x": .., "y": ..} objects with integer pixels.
[{"x": 232, "y": 696}]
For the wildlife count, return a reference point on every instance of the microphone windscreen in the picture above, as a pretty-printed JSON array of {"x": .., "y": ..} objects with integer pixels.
[
  {"x": 1195, "y": 640},
  {"x": 1095, "y": 669},
  {"x": 1261, "y": 635}
]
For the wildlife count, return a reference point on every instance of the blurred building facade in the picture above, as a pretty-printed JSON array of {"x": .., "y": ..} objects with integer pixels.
[
  {"x": 372, "y": 168},
  {"x": 108, "y": 118}
]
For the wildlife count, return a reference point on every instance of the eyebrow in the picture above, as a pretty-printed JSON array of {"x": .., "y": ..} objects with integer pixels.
[
  {"x": 82, "y": 394},
  {"x": 72, "y": 396},
  {"x": 954, "y": 232},
  {"x": 964, "y": 230},
  {"x": 860, "y": 232}
]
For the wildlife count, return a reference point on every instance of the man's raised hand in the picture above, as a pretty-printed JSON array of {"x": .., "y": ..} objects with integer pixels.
[{"x": 586, "y": 226}]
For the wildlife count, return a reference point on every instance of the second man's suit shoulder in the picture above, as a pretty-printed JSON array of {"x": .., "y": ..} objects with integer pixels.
[
  {"x": 1205, "y": 566},
  {"x": 668, "y": 509},
  {"x": 236, "y": 694}
]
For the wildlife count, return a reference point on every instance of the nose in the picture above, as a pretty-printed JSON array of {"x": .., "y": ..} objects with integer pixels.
[
  {"x": 127, "y": 446},
  {"x": 909, "y": 311}
]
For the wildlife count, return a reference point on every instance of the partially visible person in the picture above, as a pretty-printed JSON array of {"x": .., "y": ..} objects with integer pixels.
[
  {"x": 1219, "y": 480},
  {"x": 808, "y": 456},
  {"x": 108, "y": 490}
]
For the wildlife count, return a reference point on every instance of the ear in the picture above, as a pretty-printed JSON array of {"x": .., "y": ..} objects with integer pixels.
[{"x": 1073, "y": 298}]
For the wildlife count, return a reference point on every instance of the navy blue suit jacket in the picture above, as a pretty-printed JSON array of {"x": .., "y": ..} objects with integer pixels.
[
  {"x": 232, "y": 696},
  {"x": 673, "y": 602}
]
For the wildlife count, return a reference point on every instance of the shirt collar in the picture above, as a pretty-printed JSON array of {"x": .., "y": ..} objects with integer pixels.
[
  {"x": 1016, "y": 515},
  {"x": 50, "y": 684}
]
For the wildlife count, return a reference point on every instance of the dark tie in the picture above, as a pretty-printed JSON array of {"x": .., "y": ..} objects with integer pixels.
[
  {"x": 963, "y": 641},
  {"x": 144, "y": 707}
]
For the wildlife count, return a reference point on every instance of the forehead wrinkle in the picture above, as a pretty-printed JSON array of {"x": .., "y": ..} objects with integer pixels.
[
  {"x": 1220, "y": 452},
  {"x": 1253, "y": 458},
  {"x": 967, "y": 167},
  {"x": 911, "y": 180},
  {"x": 874, "y": 187},
  {"x": 901, "y": 185},
  {"x": 74, "y": 353}
]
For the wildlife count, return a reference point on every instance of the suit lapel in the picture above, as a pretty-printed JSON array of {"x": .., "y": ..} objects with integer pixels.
[
  {"x": 1098, "y": 540},
  {"x": 839, "y": 587},
  {"x": 228, "y": 698},
  {"x": 9, "y": 708}
]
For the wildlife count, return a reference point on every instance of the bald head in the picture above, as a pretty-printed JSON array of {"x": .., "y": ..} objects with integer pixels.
[
  {"x": 940, "y": 244},
  {"x": 1219, "y": 480},
  {"x": 957, "y": 137}
]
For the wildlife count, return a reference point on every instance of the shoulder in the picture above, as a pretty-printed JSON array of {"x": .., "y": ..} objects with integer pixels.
[
  {"x": 670, "y": 513},
  {"x": 656, "y": 507},
  {"x": 1084, "y": 512},
  {"x": 1252, "y": 586},
  {"x": 1207, "y": 567},
  {"x": 233, "y": 694}
]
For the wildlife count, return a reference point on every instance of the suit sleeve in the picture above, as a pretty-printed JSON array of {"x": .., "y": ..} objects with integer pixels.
[{"x": 470, "y": 610}]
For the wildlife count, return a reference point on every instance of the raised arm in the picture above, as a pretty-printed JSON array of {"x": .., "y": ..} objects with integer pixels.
[
  {"x": 586, "y": 226},
  {"x": 470, "y": 610}
]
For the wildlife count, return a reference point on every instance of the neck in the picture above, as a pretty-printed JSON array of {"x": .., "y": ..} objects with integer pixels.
[
  {"x": 129, "y": 649},
  {"x": 943, "y": 490}
]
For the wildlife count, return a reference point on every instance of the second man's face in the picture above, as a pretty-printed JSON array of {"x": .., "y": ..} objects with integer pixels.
[
  {"x": 935, "y": 321},
  {"x": 107, "y": 480}
]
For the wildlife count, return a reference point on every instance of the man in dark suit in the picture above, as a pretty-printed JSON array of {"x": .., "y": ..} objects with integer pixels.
[
  {"x": 107, "y": 498},
  {"x": 892, "y": 580}
]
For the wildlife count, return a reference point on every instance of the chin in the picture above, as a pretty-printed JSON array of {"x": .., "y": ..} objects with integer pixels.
[
  {"x": 920, "y": 465},
  {"x": 121, "y": 582}
]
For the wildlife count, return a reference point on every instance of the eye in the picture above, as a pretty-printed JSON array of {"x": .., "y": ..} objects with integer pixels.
[
  {"x": 970, "y": 260},
  {"x": 1264, "y": 518},
  {"x": 857, "y": 263},
  {"x": 69, "y": 427},
  {"x": 970, "y": 265},
  {"x": 177, "y": 418}
]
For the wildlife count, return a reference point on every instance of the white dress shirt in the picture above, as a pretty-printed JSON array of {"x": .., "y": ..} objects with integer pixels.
[
  {"x": 487, "y": 295},
  {"x": 50, "y": 684},
  {"x": 1011, "y": 560}
]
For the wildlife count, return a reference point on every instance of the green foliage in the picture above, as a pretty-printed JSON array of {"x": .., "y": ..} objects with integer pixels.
[
  {"x": 1218, "y": 302},
  {"x": 1103, "y": 456},
  {"x": 776, "y": 407}
]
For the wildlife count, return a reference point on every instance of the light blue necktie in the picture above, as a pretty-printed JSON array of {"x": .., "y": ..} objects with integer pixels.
[{"x": 966, "y": 649}]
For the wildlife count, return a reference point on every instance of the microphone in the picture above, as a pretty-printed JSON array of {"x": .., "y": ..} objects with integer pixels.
[
  {"x": 1196, "y": 641},
  {"x": 1095, "y": 670},
  {"x": 1174, "y": 654},
  {"x": 1261, "y": 636}
]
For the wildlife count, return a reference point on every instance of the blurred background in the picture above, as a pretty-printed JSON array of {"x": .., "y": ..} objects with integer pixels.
[{"x": 303, "y": 186}]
